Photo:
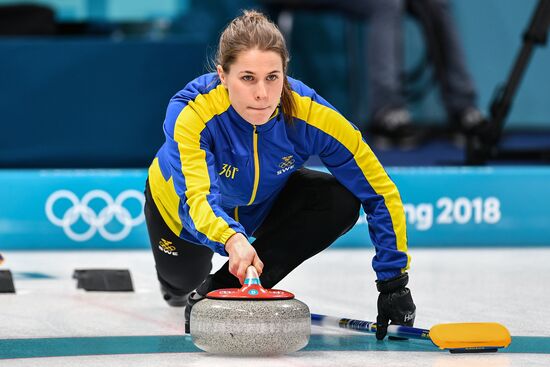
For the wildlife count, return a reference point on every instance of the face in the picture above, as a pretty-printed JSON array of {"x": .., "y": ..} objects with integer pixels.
[{"x": 254, "y": 83}]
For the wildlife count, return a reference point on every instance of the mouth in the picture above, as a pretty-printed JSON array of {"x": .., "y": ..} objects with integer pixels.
[{"x": 259, "y": 108}]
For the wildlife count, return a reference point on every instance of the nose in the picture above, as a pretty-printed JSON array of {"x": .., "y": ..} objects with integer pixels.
[{"x": 261, "y": 91}]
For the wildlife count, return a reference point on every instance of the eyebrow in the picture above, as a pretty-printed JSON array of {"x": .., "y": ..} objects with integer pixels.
[{"x": 251, "y": 72}]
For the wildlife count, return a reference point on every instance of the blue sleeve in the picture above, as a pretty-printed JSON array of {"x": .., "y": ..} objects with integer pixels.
[{"x": 347, "y": 156}]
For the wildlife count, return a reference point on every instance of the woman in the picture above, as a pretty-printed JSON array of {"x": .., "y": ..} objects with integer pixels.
[{"x": 232, "y": 167}]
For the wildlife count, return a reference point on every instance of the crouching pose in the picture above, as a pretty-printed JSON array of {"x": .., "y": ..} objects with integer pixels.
[{"x": 232, "y": 168}]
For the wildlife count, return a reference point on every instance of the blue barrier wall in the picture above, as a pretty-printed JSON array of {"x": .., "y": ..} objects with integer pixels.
[
  {"x": 65, "y": 209},
  {"x": 99, "y": 102},
  {"x": 90, "y": 102}
]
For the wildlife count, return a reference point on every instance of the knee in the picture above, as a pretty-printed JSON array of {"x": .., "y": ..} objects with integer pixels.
[
  {"x": 184, "y": 276},
  {"x": 345, "y": 206}
]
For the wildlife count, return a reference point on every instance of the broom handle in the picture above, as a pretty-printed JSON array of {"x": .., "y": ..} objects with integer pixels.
[{"x": 369, "y": 327}]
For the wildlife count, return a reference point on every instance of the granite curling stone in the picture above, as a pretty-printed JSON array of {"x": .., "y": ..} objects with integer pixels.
[{"x": 251, "y": 320}]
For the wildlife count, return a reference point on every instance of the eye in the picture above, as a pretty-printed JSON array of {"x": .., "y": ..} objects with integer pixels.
[
  {"x": 247, "y": 78},
  {"x": 272, "y": 77}
]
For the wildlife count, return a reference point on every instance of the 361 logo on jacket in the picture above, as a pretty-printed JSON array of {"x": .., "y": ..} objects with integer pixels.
[{"x": 228, "y": 171}]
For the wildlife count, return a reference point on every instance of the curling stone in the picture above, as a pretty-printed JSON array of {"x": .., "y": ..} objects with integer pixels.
[{"x": 251, "y": 320}]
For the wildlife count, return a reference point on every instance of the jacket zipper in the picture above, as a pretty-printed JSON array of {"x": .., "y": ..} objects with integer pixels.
[{"x": 256, "y": 166}]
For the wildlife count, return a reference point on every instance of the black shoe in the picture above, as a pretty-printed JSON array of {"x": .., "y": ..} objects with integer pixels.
[
  {"x": 174, "y": 300},
  {"x": 393, "y": 127},
  {"x": 193, "y": 298},
  {"x": 468, "y": 121}
]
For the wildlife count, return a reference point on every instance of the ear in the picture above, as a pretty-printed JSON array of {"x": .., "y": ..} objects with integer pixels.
[{"x": 221, "y": 74}]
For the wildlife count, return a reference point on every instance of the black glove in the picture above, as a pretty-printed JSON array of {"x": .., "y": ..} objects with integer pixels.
[{"x": 395, "y": 304}]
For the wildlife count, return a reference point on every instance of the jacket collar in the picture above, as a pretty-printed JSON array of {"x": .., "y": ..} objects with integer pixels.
[{"x": 243, "y": 124}]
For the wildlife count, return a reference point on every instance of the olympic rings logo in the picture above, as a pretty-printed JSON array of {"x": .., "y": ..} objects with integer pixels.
[
  {"x": 80, "y": 209},
  {"x": 288, "y": 161}
]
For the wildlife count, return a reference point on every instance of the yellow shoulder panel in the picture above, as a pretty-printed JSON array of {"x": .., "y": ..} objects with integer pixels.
[{"x": 332, "y": 123}]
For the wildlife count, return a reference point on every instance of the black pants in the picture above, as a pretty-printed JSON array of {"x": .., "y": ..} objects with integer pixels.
[{"x": 310, "y": 213}]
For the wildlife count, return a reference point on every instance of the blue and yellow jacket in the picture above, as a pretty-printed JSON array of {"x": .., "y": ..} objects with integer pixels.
[{"x": 217, "y": 174}]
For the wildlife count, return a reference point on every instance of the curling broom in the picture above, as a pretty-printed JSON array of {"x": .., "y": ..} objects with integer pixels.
[{"x": 456, "y": 337}]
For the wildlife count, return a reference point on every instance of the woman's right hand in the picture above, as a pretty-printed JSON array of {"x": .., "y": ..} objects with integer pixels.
[{"x": 241, "y": 256}]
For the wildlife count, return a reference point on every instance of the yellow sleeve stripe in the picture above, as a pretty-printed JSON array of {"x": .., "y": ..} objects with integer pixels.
[
  {"x": 332, "y": 123},
  {"x": 187, "y": 133},
  {"x": 165, "y": 197}
]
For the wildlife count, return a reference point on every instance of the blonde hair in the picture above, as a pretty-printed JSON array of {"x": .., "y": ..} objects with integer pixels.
[{"x": 252, "y": 30}]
